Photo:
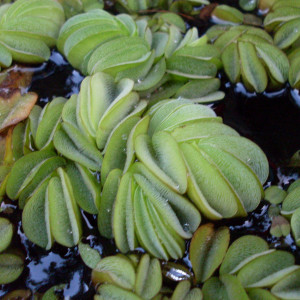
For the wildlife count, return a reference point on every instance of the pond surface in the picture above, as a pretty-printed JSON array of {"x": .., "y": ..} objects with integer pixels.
[{"x": 272, "y": 120}]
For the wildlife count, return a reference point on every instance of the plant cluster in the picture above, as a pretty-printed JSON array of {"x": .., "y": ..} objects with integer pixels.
[
  {"x": 247, "y": 269},
  {"x": 28, "y": 29},
  {"x": 149, "y": 162},
  {"x": 133, "y": 147},
  {"x": 285, "y": 205}
]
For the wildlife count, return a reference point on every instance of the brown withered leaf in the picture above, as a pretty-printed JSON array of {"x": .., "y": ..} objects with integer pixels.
[
  {"x": 15, "y": 105},
  {"x": 18, "y": 295},
  {"x": 206, "y": 11}
]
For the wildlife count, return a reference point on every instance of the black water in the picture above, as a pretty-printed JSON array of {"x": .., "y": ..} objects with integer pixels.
[{"x": 272, "y": 120}]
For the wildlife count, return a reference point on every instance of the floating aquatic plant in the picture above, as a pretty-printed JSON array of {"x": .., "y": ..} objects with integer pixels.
[
  {"x": 249, "y": 55},
  {"x": 283, "y": 20},
  {"x": 273, "y": 273},
  {"x": 137, "y": 278},
  {"x": 28, "y": 29},
  {"x": 176, "y": 142},
  {"x": 151, "y": 51},
  {"x": 288, "y": 205},
  {"x": 11, "y": 262}
]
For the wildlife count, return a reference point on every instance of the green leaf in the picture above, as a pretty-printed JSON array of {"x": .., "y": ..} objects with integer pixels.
[
  {"x": 189, "y": 67},
  {"x": 275, "y": 60},
  {"x": 243, "y": 180},
  {"x": 245, "y": 150},
  {"x": 291, "y": 202},
  {"x": 124, "y": 103},
  {"x": 34, "y": 120},
  {"x": 231, "y": 62},
  {"x": 52, "y": 293},
  {"x": 228, "y": 14},
  {"x": 117, "y": 270},
  {"x": 207, "y": 250},
  {"x": 148, "y": 277},
  {"x": 201, "y": 130},
  {"x": 252, "y": 69},
  {"x": 183, "y": 291},
  {"x": 173, "y": 42},
  {"x": 85, "y": 187},
  {"x": 118, "y": 55},
  {"x": 65, "y": 220},
  {"x": 43, "y": 173},
  {"x": 242, "y": 251},
  {"x": 295, "y": 224},
  {"x": 175, "y": 113},
  {"x": 5, "y": 57},
  {"x": 140, "y": 128},
  {"x": 85, "y": 39},
  {"x": 225, "y": 287},
  {"x": 294, "y": 185},
  {"x": 110, "y": 291},
  {"x": 196, "y": 90},
  {"x": 287, "y": 34},
  {"x": 75, "y": 146},
  {"x": 23, "y": 49},
  {"x": 248, "y": 5},
  {"x": 182, "y": 215},
  {"x": 24, "y": 170},
  {"x": 279, "y": 16},
  {"x": 115, "y": 151},
  {"x": 11, "y": 267},
  {"x": 275, "y": 194},
  {"x": 90, "y": 256},
  {"x": 18, "y": 137},
  {"x": 36, "y": 219},
  {"x": 163, "y": 157},
  {"x": 207, "y": 187},
  {"x": 153, "y": 77},
  {"x": 288, "y": 287},
  {"x": 49, "y": 119},
  {"x": 109, "y": 193},
  {"x": 80, "y": 21},
  {"x": 260, "y": 294},
  {"x": 6, "y": 233},
  {"x": 294, "y": 79},
  {"x": 268, "y": 269}
]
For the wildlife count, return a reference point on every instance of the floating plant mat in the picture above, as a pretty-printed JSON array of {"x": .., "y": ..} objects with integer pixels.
[{"x": 270, "y": 120}]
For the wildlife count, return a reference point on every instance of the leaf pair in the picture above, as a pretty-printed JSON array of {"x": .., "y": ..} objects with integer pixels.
[
  {"x": 248, "y": 55},
  {"x": 28, "y": 29},
  {"x": 52, "y": 213},
  {"x": 284, "y": 21},
  {"x": 127, "y": 277}
]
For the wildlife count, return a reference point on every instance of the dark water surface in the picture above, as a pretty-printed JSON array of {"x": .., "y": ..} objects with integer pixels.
[{"x": 272, "y": 120}]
